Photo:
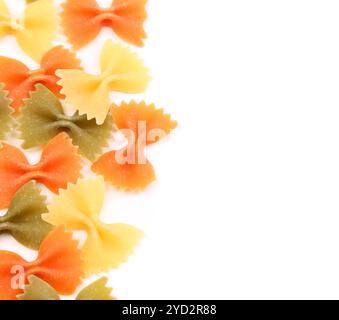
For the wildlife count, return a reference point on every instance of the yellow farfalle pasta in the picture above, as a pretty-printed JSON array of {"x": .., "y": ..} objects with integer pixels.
[
  {"x": 78, "y": 208},
  {"x": 35, "y": 30},
  {"x": 121, "y": 71}
]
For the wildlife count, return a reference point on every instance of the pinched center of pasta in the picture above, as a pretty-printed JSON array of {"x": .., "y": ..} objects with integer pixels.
[{"x": 16, "y": 24}]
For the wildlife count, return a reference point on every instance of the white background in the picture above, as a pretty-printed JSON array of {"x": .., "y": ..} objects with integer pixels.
[{"x": 246, "y": 201}]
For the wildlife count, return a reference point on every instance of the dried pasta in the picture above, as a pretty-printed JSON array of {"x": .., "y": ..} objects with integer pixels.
[
  {"x": 142, "y": 125},
  {"x": 23, "y": 218},
  {"x": 38, "y": 289},
  {"x": 35, "y": 30},
  {"x": 121, "y": 70},
  {"x": 42, "y": 118},
  {"x": 78, "y": 208},
  {"x": 59, "y": 165},
  {"x": 19, "y": 80},
  {"x": 58, "y": 263},
  {"x": 83, "y": 19}
]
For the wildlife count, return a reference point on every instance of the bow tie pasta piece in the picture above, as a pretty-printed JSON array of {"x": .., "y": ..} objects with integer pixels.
[
  {"x": 42, "y": 118},
  {"x": 124, "y": 176},
  {"x": 121, "y": 71},
  {"x": 145, "y": 121},
  {"x": 82, "y": 20},
  {"x": 96, "y": 291},
  {"x": 59, "y": 165},
  {"x": 19, "y": 80},
  {"x": 78, "y": 208},
  {"x": 35, "y": 30},
  {"x": 37, "y": 289},
  {"x": 58, "y": 263},
  {"x": 5, "y": 112},
  {"x": 142, "y": 125},
  {"x": 23, "y": 219}
]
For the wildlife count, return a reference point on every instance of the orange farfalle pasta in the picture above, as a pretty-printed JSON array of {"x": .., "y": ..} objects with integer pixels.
[
  {"x": 59, "y": 264},
  {"x": 59, "y": 165},
  {"x": 19, "y": 80},
  {"x": 142, "y": 125},
  {"x": 83, "y": 19}
]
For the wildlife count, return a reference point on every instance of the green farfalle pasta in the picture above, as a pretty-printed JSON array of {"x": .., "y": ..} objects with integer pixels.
[
  {"x": 42, "y": 118},
  {"x": 5, "y": 112},
  {"x": 96, "y": 291},
  {"x": 23, "y": 218},
  {"x": 37, "y": 289}
]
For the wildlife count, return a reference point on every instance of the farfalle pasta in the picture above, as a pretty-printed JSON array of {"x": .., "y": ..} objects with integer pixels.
[
  {"x": 19, "y": 80},
  {"x": 83, "y": 19},
  {"x": 5, "y": 112},
  {"x": 121, "y": 71},
  {"x": 23, "y": 218},
  {"x": 38, "y": 289},
  {"x": 97, "y": 290},
  {"x": 31, "y": 100},
  {"x": 35, "y": 30},
  {"x": 58, "y": 263},
  {"x": 59, "y": 165},
  {"x": 42, "y": 118},
  {"x": 78, "y": 208},
  {"x": 142, "y": 125}
]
